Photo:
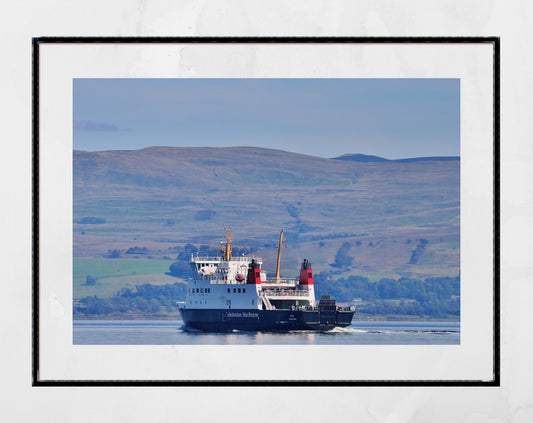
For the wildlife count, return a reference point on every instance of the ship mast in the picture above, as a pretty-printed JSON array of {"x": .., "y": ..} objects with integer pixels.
[
  {"x": 279, "y": 255},
  {"x": 227, "y": 250}
]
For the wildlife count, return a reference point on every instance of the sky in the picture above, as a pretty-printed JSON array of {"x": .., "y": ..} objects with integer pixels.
[{"x": 391, "y": 118}]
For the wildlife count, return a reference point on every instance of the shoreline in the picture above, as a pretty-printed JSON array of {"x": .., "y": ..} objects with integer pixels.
[{"x": 360, "y": 318}]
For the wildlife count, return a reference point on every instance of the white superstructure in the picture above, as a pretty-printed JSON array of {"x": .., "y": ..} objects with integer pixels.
[{"x": 228, "y": 282}]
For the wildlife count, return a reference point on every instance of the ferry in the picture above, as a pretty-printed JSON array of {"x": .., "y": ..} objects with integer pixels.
[{"x": 233, "y": 293}]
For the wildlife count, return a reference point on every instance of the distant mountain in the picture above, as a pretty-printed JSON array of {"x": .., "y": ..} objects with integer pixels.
[
  {"x": 429, "y": 159},
  {"x": 158, "y": 197},
  {"x": 364, "y": 158}
]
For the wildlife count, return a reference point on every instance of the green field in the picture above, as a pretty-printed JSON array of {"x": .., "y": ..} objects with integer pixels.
[{"x": 114, "y": 274}]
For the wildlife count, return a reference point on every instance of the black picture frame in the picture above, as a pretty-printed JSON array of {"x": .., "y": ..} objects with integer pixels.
[{"x": 40, "y": 41}]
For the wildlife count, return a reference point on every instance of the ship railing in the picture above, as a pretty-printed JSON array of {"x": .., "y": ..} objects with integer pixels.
[
  {"x": 315, "y": 308},
  {"x": 221, "y": 279},
  {"x": 218, "y": 279},
  {"x": 206, "y": 258},
  {"x": 345, "y": 308},
  {"x": 285, "y": 293},
  {"x": 288, "y": 281},
  {"x": 304, "y": 308},
  {"x": 220, "y": 258}
]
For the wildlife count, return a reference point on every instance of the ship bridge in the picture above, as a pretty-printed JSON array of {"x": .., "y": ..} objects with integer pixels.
[{"x": 218, "y": 270}]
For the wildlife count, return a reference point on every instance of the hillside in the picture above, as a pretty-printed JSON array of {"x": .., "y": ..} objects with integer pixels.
[
  {"x": 160, "y": 197},
  {"x": 365, "y": 158}
]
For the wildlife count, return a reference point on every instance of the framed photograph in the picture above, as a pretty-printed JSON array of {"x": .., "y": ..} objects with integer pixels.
[{"x": 266, "y": 211}]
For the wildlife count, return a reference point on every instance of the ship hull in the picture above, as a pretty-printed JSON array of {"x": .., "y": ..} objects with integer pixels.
[{"x": 224, "y": 320}]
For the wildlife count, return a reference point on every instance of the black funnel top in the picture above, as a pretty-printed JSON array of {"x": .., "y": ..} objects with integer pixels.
[{"x": 306, "y": 265}]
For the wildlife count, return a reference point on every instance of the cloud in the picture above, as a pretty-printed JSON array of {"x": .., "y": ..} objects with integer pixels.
[{"x": 79, "y": 125}]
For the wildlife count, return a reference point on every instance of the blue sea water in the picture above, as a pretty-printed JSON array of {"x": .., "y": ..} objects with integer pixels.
[{"x": 172, "y": 332}]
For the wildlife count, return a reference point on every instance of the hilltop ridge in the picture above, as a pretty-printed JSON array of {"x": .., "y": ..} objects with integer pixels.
[{"x": 364, "y": 158}]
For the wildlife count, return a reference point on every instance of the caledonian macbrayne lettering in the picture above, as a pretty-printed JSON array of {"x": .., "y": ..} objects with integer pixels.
[{"x": 243, "y": 314}]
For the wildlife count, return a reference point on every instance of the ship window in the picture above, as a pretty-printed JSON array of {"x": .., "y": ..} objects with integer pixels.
[
  {"x": 244, "y": 290},
  {"x": 229, "y": 290},
  {"x": 234, "y": 290},
  {"x": 239, "y": 290},
  {"x": 202, "y": 290},
  {"x": 252, "y": 302}
]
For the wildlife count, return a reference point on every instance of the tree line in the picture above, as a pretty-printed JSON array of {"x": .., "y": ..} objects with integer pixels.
[
  {"x": 143, "y": 299},
  {"x": 437, "y": 296}
]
